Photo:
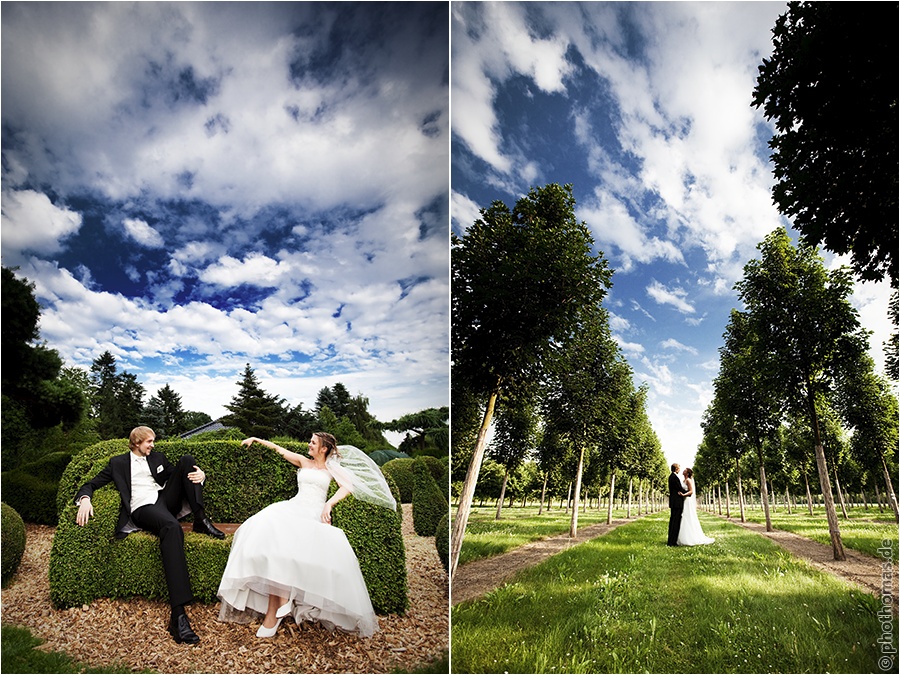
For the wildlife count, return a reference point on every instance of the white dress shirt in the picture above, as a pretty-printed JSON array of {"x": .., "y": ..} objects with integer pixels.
[{"x": 144, "y": 490}]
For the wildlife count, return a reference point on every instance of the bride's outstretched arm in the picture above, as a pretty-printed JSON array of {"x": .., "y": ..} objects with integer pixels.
[
  {"x": 292, "y": 457},
  {"x": 335, "y": 498}
]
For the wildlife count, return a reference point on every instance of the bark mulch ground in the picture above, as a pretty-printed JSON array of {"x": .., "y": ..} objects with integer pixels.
[
  {"x": 133, "y": 632},
  {"x": 481, "y": 576}
]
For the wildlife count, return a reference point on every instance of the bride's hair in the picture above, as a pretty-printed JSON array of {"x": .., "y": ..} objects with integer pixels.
[
  {"x": 329, "y": 441},
  {"x": 688, "y": 472}
]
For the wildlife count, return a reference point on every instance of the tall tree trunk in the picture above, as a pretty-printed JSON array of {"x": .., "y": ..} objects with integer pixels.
[
  {"x": 612, "y": 491},
  {"x": 719, "y": 497},
  {"x": 763, "y": 488},
  {"x": 808, "y": 493},
  {"x": 774, "y": 498},
  {"x": 727, "y": 501},
  {"x": 630, "y": 483},
  {"x": 837, "y": 484},
  {"x": 878, "y": 497},
  {"x": 543, "y": 493},
  {"x": 468, "y": 489},
  {"x": 834, "y": 527},
  {"x": 502, "y": 494},
  {"x": 569, "y": 498},
  {"x": 889, "y": 486},
  {"x": 787, "y": 499},
  {"x": 737, "y": 465}
]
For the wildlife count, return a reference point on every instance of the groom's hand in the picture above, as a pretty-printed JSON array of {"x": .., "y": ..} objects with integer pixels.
[{"x": 85, "y": 511}]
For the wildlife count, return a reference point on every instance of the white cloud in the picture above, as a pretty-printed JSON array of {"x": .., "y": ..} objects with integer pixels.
[
  {"x": 142, "y": 233},
  {"x": 675, "y": 345},
  {"x": 670, "y": 296},
  {"x": 463, "y": 211},
  {"x": 32, "y": 222}
]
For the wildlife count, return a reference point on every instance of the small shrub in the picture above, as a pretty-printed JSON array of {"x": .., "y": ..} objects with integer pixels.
[
  {"x": 31, "y": 488},
  {"x": 429, "y": 503},
  {"x": 12, "y": 541},
  {"x": 401, "y": 471},
  {"x": 442, "y": 541}
]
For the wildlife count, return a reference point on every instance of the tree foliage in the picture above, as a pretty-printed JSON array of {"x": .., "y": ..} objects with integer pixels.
[
  {"x": 831, "y": 89},
  {"x": 253, "y": 411}
]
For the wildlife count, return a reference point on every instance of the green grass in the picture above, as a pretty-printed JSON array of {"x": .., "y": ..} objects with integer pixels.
[
  {"x": 864, "y": 531},
  {"x": 486, "y": 537},
  {"x": 625, "y": 602},
  {"x": 20, "y": 656}
]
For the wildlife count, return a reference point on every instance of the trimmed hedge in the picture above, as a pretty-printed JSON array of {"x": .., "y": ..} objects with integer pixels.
[
  {"x": 429, "y": 504},
  {"x": 88, "y": 563},
  {"x": 31, "y": 488},
  {"x": 442, "y": 541},
  {"x": 12, "y": 542},
  {"x": 401, "y": 471}
]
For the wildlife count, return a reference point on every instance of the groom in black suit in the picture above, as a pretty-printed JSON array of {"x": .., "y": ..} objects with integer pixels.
[
  {"x": 676, "y": 505},
  {"x": 153, "y": 495}
]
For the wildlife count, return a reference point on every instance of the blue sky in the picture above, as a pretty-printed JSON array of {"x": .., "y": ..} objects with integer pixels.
[
  {"x": 197, "y": 186},
  {"x": 645, "y": 109}
]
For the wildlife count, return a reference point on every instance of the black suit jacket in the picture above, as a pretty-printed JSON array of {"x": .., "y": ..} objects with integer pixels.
[
  {"x": 676, "y": 501},
  {"x": 118, "y": 471}
]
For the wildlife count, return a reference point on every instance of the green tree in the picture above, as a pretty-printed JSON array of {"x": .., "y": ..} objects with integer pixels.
[
  {"x": 165, "y": 415},
  {"x": 253, "y": 411},
  {"x": 520, "y": 282},
  {"x": 35, "y": 397},
  {"x": 831, "y": 90},
  {"x": 429, "y": 428},
  {"x": 808, "y": 334},
  {"x": 337, "y": 398},
  {"x": 194, "y": 419}
]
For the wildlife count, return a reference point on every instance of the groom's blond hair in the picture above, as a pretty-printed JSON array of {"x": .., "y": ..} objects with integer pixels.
[{"x": 675, "y": 467}]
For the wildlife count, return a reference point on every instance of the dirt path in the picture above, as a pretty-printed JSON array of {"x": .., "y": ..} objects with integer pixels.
[
  {"x": 859, "y": 568},
  {"x": 133, "y": 632},
  {"x": 479, "y": 577}
]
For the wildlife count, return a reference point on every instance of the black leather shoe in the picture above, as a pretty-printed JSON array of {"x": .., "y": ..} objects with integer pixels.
[
  {"x": 205, "y": 526},
  {"x": 180, "y": 629}
]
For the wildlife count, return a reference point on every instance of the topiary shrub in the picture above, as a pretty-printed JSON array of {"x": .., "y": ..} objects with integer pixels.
[
  {"x": 429, "y": 504},
  {"x": 12, "y": 542},
  {"x": 87, "y": 562},
  {"x": 442, "y": 541},
  {"x": 401, "y": 471},
  {"x": 31, "y": 488}
]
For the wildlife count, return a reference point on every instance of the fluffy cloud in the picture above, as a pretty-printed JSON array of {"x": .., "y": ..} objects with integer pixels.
[
  {"x": 670, "y": 296},
  {"x": 142, "y": 233},
  {"x": 31, "y": 222}
]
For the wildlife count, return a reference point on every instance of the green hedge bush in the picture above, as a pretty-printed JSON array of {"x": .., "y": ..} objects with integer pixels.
[
  {"x": 442, "y": 541},
  {"x": 429, "y": 504},
  {"x": 12, "y": 542},
  {"x": 87, "y": 562},
  {"x": 400, "y": 470},
  {"x": 31, "y": 489}
]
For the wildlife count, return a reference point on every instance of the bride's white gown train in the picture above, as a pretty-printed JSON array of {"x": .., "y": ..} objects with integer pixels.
[
  {"x": 286, "y": 550},
  {"x": 691, "y": 534}
]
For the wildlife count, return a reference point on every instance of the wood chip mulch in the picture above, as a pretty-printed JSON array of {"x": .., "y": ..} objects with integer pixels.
[{"x": 133, "y": 632}]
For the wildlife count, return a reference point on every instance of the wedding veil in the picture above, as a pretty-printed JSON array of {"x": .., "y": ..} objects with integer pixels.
[{"x": 356, "y": 471}]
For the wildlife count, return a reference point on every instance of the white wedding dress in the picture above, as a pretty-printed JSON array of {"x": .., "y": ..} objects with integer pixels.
[
  {"x": 287, "y": 550},
  {"x": 691, "y": 534}
]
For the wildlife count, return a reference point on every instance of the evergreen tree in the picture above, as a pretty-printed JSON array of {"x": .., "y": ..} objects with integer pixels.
[
  {"x": 165, "y": 415},
  {"x": 118, "y": 398},
  {"x": 253, "y": 411}
]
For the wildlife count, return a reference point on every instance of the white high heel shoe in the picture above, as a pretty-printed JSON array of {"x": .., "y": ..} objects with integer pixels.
[
  {"x": 264, "y": 632},
  {"x": 284, "y": 610}
]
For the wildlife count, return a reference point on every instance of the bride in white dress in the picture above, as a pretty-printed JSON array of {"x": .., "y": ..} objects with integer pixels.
[
  {"x": 289, "y": 559},
  {"x": 691, "y": 534}
]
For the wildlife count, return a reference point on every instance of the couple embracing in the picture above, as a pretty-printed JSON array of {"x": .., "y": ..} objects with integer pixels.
[
  {"x": 684, "y": 525},
  {"x": 285, "y": 560}
]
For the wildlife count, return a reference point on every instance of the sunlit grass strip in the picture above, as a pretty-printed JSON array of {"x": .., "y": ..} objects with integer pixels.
[
  {"x": 864, "y": 531},
  {"x": 486, "y": 537},
  {"x": 625, "y": 602}
]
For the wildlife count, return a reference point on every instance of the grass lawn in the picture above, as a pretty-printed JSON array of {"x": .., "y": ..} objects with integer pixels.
[
  {"x": 20, "y": 656},
  {"x": 486, "y": 537},
  {"x": 625, "y": 602},
  {"x": 863, "y": 531}
]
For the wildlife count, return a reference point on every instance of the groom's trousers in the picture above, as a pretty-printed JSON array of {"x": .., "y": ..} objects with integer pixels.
[{"x": 161, "y": 519}]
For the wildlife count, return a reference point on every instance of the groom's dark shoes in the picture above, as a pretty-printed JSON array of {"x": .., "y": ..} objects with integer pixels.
[
  {"x": 180, "y": 629},
  {"x": 205, "y": 526}
]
